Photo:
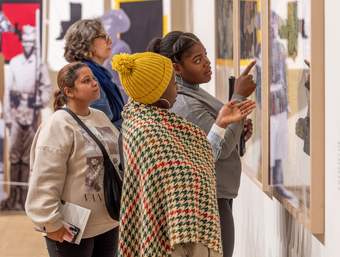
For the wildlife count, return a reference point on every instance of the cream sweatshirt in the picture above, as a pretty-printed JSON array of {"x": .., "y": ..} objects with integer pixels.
[{"x": 66, "y": 164}]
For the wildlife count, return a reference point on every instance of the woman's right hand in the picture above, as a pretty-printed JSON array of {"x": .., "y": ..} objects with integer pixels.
[
  {"x": 234, "y": 112},
  {"x": 60, "y": 235},
  {"x": 244, "y": 84}
]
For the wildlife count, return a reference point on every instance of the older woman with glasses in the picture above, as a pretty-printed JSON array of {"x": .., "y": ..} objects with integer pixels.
[{"x": 87, "y": 42}]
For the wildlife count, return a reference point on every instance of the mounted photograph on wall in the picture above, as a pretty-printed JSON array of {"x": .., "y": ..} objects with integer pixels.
[
  {"x": 289, "y": 100},
  {"x": 251, "y": 49},
  {"x": 224, "y": 47},
  {"x": 26, "y": 94},
  {"x": 294, "y": 151},
  {"x": 61, "y": 15},
  {"x": 14, "y": 15},
  {"x": 146, "y": 18}
]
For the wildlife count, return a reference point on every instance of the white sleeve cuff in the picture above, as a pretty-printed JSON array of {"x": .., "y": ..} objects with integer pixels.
[
  {"x": 218, "y": 130},
  {"x": 238, "y": 97}
]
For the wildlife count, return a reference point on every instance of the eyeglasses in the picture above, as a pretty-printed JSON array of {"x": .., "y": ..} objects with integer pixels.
[{"x": 105, "y": 36}]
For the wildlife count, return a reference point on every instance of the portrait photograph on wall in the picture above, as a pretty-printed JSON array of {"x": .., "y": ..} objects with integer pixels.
[
  {"x": 61, "y": 15},
  {"x": 14, "y": 14},
  {"x": 27, "y": 92},
  {"x": 224, "y": 47},
  {"x": 290, "y": 55},
  {"x": 251, "y": 49}
]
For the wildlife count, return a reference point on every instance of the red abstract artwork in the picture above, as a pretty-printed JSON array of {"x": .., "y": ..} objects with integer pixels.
[{"x": 19, "y": 14}]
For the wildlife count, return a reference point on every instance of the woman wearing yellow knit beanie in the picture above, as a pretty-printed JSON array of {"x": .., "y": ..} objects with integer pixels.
[
  {"x": 169, "y": 205},
  {"x": 145, "y": 76}
]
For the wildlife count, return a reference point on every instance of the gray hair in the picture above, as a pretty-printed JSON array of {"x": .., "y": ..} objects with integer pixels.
[{"x": 79, "y": 38}]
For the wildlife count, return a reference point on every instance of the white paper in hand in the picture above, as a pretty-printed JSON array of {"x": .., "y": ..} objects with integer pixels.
[{"x": 77, "y": 216}]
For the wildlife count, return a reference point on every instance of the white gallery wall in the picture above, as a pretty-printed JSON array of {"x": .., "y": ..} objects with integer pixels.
[{"x": 263, "y": 227}]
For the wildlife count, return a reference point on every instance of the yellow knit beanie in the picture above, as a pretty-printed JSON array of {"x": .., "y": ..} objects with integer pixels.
[{"x": 144, "y": 76}]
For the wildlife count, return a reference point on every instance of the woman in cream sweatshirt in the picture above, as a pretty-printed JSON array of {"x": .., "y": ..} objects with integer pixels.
[{"x": 67, "y": 165}]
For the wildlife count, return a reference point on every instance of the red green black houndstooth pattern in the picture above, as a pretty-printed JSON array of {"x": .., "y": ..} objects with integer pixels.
[{"x": 169, "y": 186}]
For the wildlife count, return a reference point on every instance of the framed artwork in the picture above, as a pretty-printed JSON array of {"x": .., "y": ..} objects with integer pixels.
[
  {"x": 250, "y": 44},
  {"x": 242, "y": 24},
  {"x": 285, "y": 155},
  {"x": 14, "y": 14},
  {"x": 224, "y": 18},
  {"x": 61, "y": 15},
  {"x": 250, "y": 27},
  {"x": 146, "y": 22},
  {"x": 296, "y": 108}
]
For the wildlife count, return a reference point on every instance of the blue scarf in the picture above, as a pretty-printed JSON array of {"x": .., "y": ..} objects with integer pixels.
[{"x": 111, "y": 90}]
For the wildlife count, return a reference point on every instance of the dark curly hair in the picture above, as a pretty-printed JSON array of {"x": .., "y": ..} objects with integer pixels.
[{"x": 79, "y": 38}]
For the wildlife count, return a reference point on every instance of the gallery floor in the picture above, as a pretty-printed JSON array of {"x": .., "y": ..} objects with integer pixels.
[{"x": 18, "y": 239}]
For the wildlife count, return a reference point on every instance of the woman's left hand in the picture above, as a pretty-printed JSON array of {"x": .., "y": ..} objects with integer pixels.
[{"x": 234, "y": 111}]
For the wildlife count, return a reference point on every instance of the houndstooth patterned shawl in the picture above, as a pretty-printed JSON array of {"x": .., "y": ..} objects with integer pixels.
[{"x": 169, "y": 191}]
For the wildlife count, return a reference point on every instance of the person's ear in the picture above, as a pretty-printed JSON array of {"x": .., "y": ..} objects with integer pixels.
[
  {"x": 177, "y": 68},
  {"x": 68, "y": 92}
]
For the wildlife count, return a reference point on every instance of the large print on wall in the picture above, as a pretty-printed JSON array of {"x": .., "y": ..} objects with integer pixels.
[
  {"x": 289, "y": 58},
  {"x": 27, "y": 91},
  {"x": 14, "y": 14}
]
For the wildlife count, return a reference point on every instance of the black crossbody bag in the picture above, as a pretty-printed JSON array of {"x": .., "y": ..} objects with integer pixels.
[{"x": 113, "y": 181}]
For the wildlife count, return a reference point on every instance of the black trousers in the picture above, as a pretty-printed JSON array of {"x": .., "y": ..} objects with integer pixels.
[
  {"x": 104, "y": 245},
  {"x": 225, "y": 208}
]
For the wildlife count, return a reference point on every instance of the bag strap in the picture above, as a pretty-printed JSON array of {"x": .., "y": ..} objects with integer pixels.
[
  {"x": 121, "y": 152},
  {"x": 82, "y": 124},
  {"x": 106, "y": 156}
]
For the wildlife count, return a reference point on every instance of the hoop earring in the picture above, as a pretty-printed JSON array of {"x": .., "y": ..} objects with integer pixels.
[
  {"x": 179, "y": 79},
  {"x": 166, "y": 101}
]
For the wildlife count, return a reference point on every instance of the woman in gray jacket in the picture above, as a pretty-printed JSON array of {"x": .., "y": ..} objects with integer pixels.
[{"x": 192, "y": 68}]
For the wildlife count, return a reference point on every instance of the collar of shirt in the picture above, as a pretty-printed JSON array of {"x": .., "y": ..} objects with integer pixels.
[{"x": 183, "y": 83}]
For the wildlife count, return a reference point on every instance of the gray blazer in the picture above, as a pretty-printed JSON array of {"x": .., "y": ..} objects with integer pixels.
[{"x": 199, "y": 107}]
